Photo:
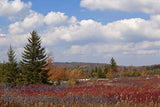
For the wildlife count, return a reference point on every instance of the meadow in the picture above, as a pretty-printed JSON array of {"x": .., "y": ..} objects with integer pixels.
[{"x": 117, "y": 92}]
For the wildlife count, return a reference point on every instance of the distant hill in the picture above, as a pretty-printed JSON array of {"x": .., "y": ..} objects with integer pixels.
[
  {"x": 73, "y": 65},
  {"x": 90, "y": 66}
]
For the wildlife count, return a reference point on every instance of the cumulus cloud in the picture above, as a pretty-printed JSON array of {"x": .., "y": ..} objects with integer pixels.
[
  {"x": 84, "y": 31},
  {"x": 10, "y": 8},
  {"x": 146, "y": 6},
  {"x": 2, "y": 35},
  {"x": 58, "y": 19},
  {"x": 36, "y": 20},
  {"x": 32, "y": 21},
  {"x": 134, "y": 36},
  {"x": 55, "y": 18},
  {"x": 146, "y": 47},
  {"x": 88, "y": 38},
  {"x": 15, "y": 40},
  {"x": 90, "y": 31}
]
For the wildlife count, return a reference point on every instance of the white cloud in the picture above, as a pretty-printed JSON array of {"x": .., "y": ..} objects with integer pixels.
[
  {"x": 90, "y": 31},
  {"x": 141, "y": 48},
  {"x": 146, "y": 6},
  {"x": 128, "y": 36},
  {"x": 36, "y": 20},
  {"x": 2, "y": 35},
  {"x": 58, "y": 19},
  {"x": 10, "y": 8},
  {"x": 147, "y": 52},
  {"x": 81, "y": 31},
  {"x": 76, "y": 49},
  {"x": 15, "y": 40},
  {"x": 55, "y": 18},
  {"x": 32, "y": 21},
  {"x": 77, "y": 31}
]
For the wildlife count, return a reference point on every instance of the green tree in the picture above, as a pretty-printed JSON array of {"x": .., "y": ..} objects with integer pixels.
[
  {"x": 11, "y": 72},
  {"x": 96, "y": 69},
  {"x": 1, "y": 73},
  {"x": 34, "y": 60},
  {"x": 106, "y": 69},
  {"x": 113, "y": 65},
  {"x": 92, "y": 73},
  {"x": 100, "y": 73}
]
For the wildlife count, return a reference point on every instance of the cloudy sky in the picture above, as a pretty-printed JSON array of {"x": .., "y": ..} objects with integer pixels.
[{"x": 84, "y": 30}]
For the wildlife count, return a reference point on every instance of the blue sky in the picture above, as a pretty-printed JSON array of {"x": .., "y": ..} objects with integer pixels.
[
  {"x": 73, "y": 8},
  {"x": 84, "y": 30}
]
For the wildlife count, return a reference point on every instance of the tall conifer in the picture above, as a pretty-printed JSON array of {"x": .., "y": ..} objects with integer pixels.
[
  {"x": 11, "y": 68},
  {"x": 113, "y": 65},
  {"x": 34, "y": 61}
]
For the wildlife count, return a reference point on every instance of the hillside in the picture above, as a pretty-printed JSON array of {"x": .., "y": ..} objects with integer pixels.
[{"x": 90, "y": 66}]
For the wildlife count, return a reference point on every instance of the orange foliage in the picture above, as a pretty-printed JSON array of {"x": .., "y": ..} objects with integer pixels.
[
  {"x": 58, "y": 73},
  {"x": 118, "y": 69},
  {"x": 144, "y": 73}
]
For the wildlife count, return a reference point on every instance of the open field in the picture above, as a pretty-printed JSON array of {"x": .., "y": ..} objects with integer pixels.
[{"x": 120, "y": 92}]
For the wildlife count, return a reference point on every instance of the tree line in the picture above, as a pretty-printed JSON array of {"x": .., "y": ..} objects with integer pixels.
[
  {"x": 35, "y": 67},
  {"x": 30, "y": 69}
]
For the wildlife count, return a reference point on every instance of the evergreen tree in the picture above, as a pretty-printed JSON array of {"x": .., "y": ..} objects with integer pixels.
[
  {"x": 96, "y": 69},
  {"x": 1, "y": 73},
  {"x": 11, "y": 71},
  {"x": 106, "y": 69},
  {"x": 34, "y": 61},
  {"x": 100, "y": 73},
  {"x": 113, "y": 65},
  {"x": 92, "y": 74}
]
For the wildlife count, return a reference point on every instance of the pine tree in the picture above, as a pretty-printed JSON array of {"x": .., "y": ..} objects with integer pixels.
[
  {"x": 113, "y": 65},
  {"x": 34, "y": 61},
  {"x": 11, "y": 73},
  {"x": 1, "y": 73},
  {"x": 92, "y": 74},
  {"x": 106, "y": 69},
  {"x": 100, "y": 73}
]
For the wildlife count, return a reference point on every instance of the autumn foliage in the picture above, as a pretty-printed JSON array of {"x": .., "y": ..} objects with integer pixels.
[
  {"x": 75, "y": 74},
  {"x": 144, "y": 73},
  {"x": 58, "y": 73}
]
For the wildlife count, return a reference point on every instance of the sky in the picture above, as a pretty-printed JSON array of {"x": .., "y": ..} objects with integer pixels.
[{"x": 84, "y": 30}]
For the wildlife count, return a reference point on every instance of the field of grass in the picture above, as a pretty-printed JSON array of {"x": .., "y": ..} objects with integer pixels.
[{"x": 118, "y": 92}]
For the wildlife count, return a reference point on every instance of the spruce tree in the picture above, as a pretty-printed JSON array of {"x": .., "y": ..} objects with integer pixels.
[
  {"x": 100, "y": 73},
  {"x": 34, "y": 61},
  {"x": 106, "y": 69},
  {"x": 1, "y": 73},
  {"x": 11, "y": 68},
  {"x": 113, "y": 65}
]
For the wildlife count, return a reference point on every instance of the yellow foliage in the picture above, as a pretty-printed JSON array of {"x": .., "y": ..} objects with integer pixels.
[
  {"x": 75, "y": 74},
  {"x": 109, "y": 74},
  {"x": 144, "y": 73}
]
